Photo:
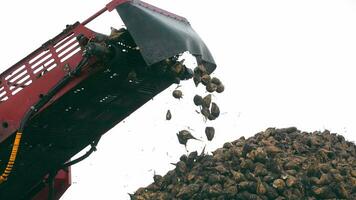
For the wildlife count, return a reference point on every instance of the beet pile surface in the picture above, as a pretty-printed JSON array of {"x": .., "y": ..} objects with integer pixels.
[{"x": 274, "y": 164}]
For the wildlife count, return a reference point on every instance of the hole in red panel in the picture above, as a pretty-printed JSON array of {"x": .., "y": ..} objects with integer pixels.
[
  {"x": 15, "y": 72},
  {"x": 17, "y": 90},
  {"x": 70, "y": 55},
  {"x": 70, "y": 48},
  {"x": 49, "y": 62},
  {"x": 5, "y": 124},
  {"x": 2, "y": 94},
  {"x": 38, "y": 57},
  {"x": 38, "y": 70},
  {"x": 45, "y": 67},
  {"x": 64, "y": 40},
  {"x": 28, "y": 83},
  {"x": 19, "y": 76},
  {"x": 40, "y": 62},
  {"x": 23, "y": 79},
  {"x": 67, "y": 44},
  {"x": 51, "y": 67},
  {"x": 4, "y": 98}
]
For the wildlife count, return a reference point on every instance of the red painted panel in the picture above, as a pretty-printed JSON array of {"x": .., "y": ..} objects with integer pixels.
[
  {"x": 61, "y": 183},
  {"x": 14, "y": 106}
]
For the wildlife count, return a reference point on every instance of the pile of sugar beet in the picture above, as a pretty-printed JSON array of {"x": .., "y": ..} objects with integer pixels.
[{"x": 274, "y": 164}]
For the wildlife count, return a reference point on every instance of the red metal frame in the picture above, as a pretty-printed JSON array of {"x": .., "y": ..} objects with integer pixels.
[
  {"x": 22, "y": 85},
  {"x": 113, "y": 4},
  {"x": 109, "y": 7}
]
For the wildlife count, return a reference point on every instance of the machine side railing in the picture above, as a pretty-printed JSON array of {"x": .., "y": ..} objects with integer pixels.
[
  {"x": 55, "y": 53},
  {"x": 51, "y": 55},
  {"x": 23, "y": 84}
]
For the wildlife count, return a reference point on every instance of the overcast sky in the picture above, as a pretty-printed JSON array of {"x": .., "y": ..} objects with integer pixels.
[{"x": 284, "y": 63}]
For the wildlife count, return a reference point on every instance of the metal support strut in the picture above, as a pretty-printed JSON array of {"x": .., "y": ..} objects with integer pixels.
[{"x": 50, "y": 183}]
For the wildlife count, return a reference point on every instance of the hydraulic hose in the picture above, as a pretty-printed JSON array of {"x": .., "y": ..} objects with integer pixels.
[
  {"x": 86, "y": 155},
  {"x": 33, "y": 110}
]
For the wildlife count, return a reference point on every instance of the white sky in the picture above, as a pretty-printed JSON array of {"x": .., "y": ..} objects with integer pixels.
[{"x": 284, "y": 63}]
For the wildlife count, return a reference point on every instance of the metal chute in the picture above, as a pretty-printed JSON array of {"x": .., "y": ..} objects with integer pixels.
[{"x": 160, "y": 34}]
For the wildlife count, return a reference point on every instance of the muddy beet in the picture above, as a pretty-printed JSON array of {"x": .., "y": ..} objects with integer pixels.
[
  {"x": 274, "y": 164},
  {"x": 183, "y": 137},
  {"x": 177, "y": 94},
  {"x": 209, "y": 132},
  {"x": 168, "y": 115}
]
